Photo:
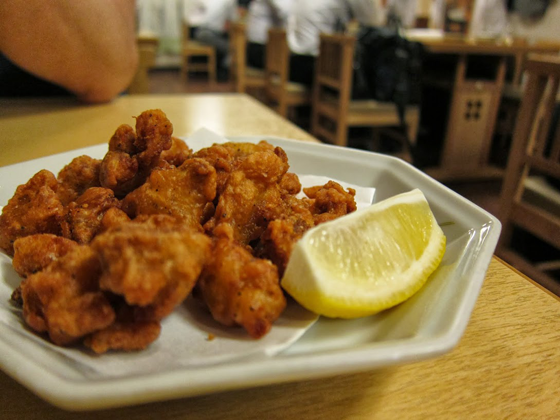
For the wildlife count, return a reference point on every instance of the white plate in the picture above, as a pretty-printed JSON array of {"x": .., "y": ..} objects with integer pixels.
[{"x": 427, "y": 325}]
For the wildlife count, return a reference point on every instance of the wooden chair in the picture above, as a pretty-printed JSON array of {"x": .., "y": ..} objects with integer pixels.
[
  {"x": 190, "y": 49},
  {"x": 147, "y": 49},
  {"x": 244, "y": 78},
  {"x": 535, "y": 151},
  {"x": 333, "y": 109},
  {"x": 282, "y": 93}
]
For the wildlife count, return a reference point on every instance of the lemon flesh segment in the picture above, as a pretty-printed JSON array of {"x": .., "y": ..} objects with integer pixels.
[{"x": 367, "y": 261}]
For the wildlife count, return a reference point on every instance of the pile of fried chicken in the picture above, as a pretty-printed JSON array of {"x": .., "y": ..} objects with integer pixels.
[{"x": 108, "y": 248}]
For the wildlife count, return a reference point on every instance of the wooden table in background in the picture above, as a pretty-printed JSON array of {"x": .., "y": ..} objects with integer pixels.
[
  {"x": 474, "y": 103},
  {"x": 507, "y": 365}
]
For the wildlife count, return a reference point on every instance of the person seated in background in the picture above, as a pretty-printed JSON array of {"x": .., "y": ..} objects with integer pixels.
[
  {"x": 81, "y": 47},
  {"x": 309, "y": 19},
  {"x": 404, "y": 11},
  {"x": 263, "y": 15},
  {"x": 213, "y": 30},
  {"x": 193, "y": 15},
  {"x": 368, "y": 12}
]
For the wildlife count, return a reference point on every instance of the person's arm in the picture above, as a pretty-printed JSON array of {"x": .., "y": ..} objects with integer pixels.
[{"x": 88, "y": 47}]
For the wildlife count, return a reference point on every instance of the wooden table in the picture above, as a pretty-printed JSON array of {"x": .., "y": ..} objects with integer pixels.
[
  {"x": 474, "y": 103},
  {"x": 507, "y": 365}
]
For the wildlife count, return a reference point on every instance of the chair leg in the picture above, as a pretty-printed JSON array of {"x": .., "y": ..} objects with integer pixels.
[
  {"x": 341, "y": 138},
  {"x": 184, "y": 69},
  {"x": 282, "y": 108},
  {"x": 212, "y": 69},
  {"x": 412, "y": 123}
]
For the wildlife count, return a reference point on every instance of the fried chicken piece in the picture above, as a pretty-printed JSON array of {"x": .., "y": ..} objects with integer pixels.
[
  {"x": 64, "y": 299},
  {"x": 176, "y": 155},
  {"x": 278, "y": 240},
  {"x": 36, "y": 252},
  {"x": 132, "y": 156},
  {"x": 111, "y": 218},
  {"x": 183, "y": 192},
  {"x": 289, "y": 184},
  {"x": 330, "y": 201},
  {"x": 153, "y": 264},
  {"x": 226, "y": 157},
  {"x": 252, "y": 196},
  {"x": 127, "y": 333},
  {"x": 240, "y": 289},
  {"x": 84, "y": 216},
  {"x": 34, "y": 208},
  {"x": 127, "y": 336},
  {"x": 76, "y": 177},
  {"x": 119, "y": 172},
  {"x": 153, "y": 136}
]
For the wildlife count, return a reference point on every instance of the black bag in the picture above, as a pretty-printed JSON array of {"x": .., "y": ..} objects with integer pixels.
[{"x": 388, "y": 68}]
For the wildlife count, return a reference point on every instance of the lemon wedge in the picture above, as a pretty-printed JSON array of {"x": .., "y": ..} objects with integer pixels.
[{"x": 367, "y": 261}]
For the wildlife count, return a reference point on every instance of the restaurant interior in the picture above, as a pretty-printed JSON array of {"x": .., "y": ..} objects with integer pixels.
[
  {"x": 151, "y": 276},
  {"x": 458, "y": 125}
]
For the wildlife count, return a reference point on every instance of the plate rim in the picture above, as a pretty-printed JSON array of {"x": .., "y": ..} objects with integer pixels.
[{"x": 92, "y": 394}]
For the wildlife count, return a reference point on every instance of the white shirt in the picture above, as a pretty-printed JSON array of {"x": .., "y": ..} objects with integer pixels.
[
  {"x": 217, "y": 13},
  {"x": 262, "y": 16},
  {"x": 368, "y": 12},
  {"x": 194, "y": 12},
  {"x": 489, "y": 19},
  {"x": 405, "y": 10},
  {"x": 311, "y": 18}
]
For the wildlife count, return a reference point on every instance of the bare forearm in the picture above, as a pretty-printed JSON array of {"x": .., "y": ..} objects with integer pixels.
[{"x": 86, "y": 46}]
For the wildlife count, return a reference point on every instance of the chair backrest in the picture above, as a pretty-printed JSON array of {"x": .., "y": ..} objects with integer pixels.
[
  {"x": 186, "y": 32},
  {"x": 277, "y": 58},
  {"x": 147, "y": 49},
  {"x": 334, "y": 67},
  {"x": 535, "y": 151},
  {"x": 238, "y": 53}
]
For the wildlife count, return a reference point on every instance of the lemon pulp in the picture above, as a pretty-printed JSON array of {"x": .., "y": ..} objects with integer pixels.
[{"x": 367, "y": 261}]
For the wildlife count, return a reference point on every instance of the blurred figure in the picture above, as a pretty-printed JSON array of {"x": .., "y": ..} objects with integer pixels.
[
  {"x": 263, "y": 15},
  {"x": 403, "y": 10},
  {"x": 213, "y": 30},
  {"x": 368, "y": 12},
  {"x": 308, "y": 20},
  {"x": 80, "y": 47},
  {"x": 193, "y": 15},
  {"x": 489, "y": 19}
]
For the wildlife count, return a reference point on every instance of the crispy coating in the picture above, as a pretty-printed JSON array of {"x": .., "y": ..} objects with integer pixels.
[
  {"x": 127, "y": 336},
  {"x": 330, "y": 201},
  {"x": 153, "y": 136},
  {"x": 277, "y": 241},
  {"x": 119, "y": 172},
  {"x": 123, "y": 140},
  {"x": 176, "y": 155},
  {"x": 153, "y": 264},
  {"x": 252, "y": 196},
  {"x": 34, "y": 208},
  {"x": 133, "y": 155},
  {"x": 290, "y": 184},
  {"x": 76, "y": 177},
  {"x": 64, "y": 299},
  {"x": 182, "y": 192},
  {"x": 36, "y": 252},
  {"x": 240, "y": 289},
  {"x": 128, "y": 333},
  {"x": 84, "y": 216},
  {"x": 111, "y": 218},
  {"x": 226, "y": 157}
]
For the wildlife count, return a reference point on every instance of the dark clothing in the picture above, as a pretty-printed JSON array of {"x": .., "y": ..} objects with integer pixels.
[
  {"x": 256, "y": 55},
  {"x": 302, "y": 69},
  {"x": 15, "y": 82}
]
